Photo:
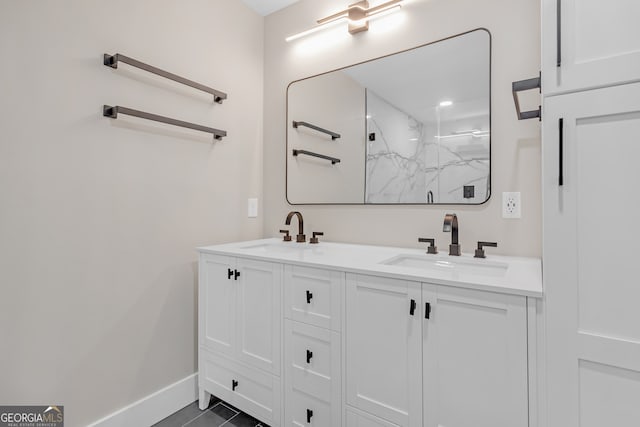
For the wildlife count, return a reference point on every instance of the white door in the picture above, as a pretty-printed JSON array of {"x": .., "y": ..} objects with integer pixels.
[
  {"x": 383, "y": 348},
  {"x": 259, "y": 314},
  {"x": 475, "y": 358},
  {"x": 216, "y": 303},
  {"x": 596, "y": 43},
  {"x": 590, "y": 256}
]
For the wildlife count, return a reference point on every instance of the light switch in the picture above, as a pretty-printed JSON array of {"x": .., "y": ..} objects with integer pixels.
[{"x": 252, "y": 208}]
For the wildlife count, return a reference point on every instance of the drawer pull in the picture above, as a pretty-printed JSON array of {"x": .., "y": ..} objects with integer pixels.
[
  {"x": 412, "y": 307},
  {"x": 309, "y": 356},
  {"x": 229, "y": 273},
  {"x": 309, "y": 296},
  {"x": 236, "y": 274},
  {"x": 234, "y": 384},
  {"x": 558, "y": 33},
  {"x": 560, "y": 151},
  {"x": 309, "y": 415}
]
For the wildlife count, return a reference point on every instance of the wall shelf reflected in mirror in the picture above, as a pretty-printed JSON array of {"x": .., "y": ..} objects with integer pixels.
[{"x": 414, "y": 126}]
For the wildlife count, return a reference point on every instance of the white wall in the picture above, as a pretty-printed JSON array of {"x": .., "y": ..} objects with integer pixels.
[
  {"x": 515, "y": 29},
  {"x": 99, "y": 218}
]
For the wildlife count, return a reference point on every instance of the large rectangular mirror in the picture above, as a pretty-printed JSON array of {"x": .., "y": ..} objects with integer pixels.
[{"x": 409, "y": 128}]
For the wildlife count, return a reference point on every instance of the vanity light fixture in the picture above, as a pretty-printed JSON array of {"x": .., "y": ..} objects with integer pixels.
[
  {"x": 446, "y": 103},
  {"x": 357, "y": 14}
]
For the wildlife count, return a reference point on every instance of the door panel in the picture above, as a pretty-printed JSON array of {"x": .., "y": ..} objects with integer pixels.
[
  {"x": 384, "y": 351},
  {"x": 216, "y": 304},
  {"x": 259, "y": 314},
  {"x": 592, "y": 322},
  {"x": 475, "y": 357},
  {"x": 599, "y": 44}
]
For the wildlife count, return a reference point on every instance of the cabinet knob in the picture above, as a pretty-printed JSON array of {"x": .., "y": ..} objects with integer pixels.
[
  {"x": 309, "y": 296},
  {"x": 234, "y": 384},
  {"x": 309, "y": 356},
  {"x": 309, "y": 415}
]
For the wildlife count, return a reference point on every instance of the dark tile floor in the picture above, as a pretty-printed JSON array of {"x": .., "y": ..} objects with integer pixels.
[{"x": 218, "y": 414}]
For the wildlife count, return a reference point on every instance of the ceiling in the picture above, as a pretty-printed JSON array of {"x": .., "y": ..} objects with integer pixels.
[{"x": 265, "y": 7}]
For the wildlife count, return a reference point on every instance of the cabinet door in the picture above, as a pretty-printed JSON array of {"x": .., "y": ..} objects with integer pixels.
[
  {"x": 216, "y": 304},
  {"x": 259, "y": 314},
  {"x": 597, "y": 43},
  {"x": 590, "y": 257},
  {"x": 383, "y": 348},
  {"x": 475, "y": 359}
]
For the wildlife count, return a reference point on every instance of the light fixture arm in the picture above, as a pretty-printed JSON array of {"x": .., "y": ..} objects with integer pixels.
[{"x": 357, "y": 14}]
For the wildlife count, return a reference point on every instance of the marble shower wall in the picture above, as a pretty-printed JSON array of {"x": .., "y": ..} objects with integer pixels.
[
  {"x": 395, "y": 166},
  {"x": 408, "y": 161}
]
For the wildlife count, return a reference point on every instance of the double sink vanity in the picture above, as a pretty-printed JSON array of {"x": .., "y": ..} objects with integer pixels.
[{"x": 335, "y": 334}]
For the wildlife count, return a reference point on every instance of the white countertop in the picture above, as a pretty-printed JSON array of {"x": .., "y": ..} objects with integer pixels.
[{"x": 496, "y": 273}]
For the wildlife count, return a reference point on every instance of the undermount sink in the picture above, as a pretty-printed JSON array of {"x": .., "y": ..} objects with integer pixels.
[
  {"x": 450, "y": 264},
  {"x": 282, "y": 247}
]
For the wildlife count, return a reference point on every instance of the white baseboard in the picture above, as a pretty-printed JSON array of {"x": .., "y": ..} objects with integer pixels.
[{"x": 155, "y": 407}]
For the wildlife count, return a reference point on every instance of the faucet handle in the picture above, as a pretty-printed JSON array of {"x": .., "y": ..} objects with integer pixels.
[
  {"x": 286, "y": 237},
  {"x": 432, "y": 249},
  {"x": 314, "y": 239},
  {"x": 480, "y": 251}
]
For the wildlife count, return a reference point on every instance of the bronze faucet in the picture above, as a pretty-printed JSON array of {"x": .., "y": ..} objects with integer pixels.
[
  {"x": 300, "y": 238},
  {"x": 451, "y": 225}
]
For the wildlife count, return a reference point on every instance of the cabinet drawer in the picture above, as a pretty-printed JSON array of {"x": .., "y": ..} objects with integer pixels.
[
  {"x": 313, "y": 296},
  {"x": 312, "y": 361},
  {"x": 304, "y": 410},
  {"x": 253, "y": 391}
]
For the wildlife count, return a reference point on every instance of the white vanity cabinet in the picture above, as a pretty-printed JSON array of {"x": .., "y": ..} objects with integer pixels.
[
  {"x": 594, "y": 43},
  {"x": 365, "y": 343},
  {"x": 427, "y": 355},
  {"x": 239, "y": 330}
]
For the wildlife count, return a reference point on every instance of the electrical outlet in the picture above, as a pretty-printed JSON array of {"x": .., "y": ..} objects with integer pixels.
[
  {"x": 252, "y": 208},
  {"x": 511, "y": 205}
]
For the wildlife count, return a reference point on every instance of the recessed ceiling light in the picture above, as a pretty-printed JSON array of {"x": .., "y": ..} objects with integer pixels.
[{"x": 446, "y": 103}]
